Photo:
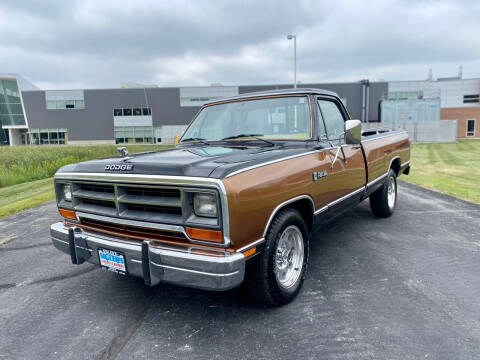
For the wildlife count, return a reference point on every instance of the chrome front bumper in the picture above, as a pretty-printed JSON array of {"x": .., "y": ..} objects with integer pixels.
[{"x": 154, "y": 264}]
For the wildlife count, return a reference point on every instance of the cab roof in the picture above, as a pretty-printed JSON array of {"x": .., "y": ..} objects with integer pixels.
[{"x": 306, "y": 91}]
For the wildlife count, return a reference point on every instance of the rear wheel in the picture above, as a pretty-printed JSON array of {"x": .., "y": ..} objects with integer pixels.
[
  {"x": 383, "y": 200},
  {"x": 278, "y": 273}
]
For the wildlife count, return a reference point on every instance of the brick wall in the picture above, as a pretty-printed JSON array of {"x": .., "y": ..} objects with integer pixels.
[{"x": 462, "y": 114}]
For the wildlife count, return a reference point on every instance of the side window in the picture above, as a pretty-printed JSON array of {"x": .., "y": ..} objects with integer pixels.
[
  {"x": 322, "y": 132},
  {"x": 333, "y": 119}
]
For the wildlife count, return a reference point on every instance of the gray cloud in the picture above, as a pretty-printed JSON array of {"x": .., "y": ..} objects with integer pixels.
[{"x": 60, "y": 44}]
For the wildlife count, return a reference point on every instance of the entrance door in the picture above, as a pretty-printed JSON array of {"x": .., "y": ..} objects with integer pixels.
[{"x": 470, "y": 127}]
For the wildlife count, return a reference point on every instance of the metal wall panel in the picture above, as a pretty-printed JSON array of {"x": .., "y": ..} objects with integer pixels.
[
  {"x": 96, "y": 122},
  {"x": 451, "y": 92}
]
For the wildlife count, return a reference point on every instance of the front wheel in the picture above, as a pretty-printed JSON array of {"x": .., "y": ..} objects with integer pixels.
[
  {"x": 277, "y": 275},
  {"x": 383, "y": 200}
]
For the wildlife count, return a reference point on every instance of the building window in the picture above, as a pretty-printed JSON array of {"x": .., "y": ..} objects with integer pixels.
[
  {"x": 64, "y": 99},
  {"x": 46, "y": 136},
  {"x": 146, "y": 111},
  {"x": 133, "y": 134},
  {"x": 471, "y": 127},
  {"x": 11, "y": 111},
  {"x": 474, "y": 98}
]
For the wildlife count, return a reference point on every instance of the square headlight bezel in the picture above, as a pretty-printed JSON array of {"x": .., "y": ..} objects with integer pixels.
[
  {"x": 59, "y": 194},
  {"x": 191, "y": 218}
]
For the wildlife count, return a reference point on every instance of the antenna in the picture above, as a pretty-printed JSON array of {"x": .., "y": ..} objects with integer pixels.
[{"x": 460, "y": 71}]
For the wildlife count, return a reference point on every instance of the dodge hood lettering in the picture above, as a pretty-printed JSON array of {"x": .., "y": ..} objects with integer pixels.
[{"x": 117, "y": 167}]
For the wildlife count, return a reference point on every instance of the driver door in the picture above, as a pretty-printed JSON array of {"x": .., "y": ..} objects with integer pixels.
[{"x": 346, "y": 173}]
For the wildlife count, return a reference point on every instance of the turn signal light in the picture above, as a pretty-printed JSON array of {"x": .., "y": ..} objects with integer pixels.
[
  {"x": 68, "y": 214},
  {"x": 250, "y": 252},
  {"x": 204, "y": 234}
]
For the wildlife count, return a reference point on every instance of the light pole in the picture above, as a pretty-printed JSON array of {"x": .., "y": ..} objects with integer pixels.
[{"x": 294, "y": 37}]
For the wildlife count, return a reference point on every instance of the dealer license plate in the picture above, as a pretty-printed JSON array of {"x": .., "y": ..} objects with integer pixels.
[{"x": 112, "y": 260}]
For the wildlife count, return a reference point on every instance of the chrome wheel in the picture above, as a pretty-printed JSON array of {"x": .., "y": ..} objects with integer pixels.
[
  {"x": 391, "y": 192},
  {"x": 289, "y": 257}
]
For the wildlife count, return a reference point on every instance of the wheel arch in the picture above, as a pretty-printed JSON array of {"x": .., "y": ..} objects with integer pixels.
[
  {"x": 395, "y": 165},
  {"x": 303, "y": 204}
]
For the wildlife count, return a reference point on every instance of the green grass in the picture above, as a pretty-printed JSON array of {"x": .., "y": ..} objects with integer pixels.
[
  {"x": 451, "y": 168},
  {"x": 20, "y": 164},
  {"x": 27, "y": 171},
  {"x": 22, "y": 196},
  {"x": 25, "y": 181}
]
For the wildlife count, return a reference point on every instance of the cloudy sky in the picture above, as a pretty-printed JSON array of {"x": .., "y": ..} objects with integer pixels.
[{"x": 90, "y": 44}]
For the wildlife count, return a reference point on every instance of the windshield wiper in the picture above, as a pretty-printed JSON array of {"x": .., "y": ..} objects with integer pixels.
[
  {"x": 196, "y": 139},
  {"x": 255, "y": 136}
]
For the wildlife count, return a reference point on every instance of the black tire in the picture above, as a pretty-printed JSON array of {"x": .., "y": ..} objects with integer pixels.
[
  {"x": 379, "y": 200},
  {"x": 261, "y": 279}
]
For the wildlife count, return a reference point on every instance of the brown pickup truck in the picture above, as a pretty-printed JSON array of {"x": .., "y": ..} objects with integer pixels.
[{"x": 236, "y": 200}]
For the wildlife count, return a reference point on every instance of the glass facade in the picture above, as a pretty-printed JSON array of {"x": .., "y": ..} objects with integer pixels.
[{"x": 11, "y": 111}]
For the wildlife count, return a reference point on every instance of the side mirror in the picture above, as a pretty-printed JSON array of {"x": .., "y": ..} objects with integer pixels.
[{"x": 353, "y": 131}]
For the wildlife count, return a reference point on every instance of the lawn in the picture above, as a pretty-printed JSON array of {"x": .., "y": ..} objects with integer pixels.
[
  {"x": 27, "y": 171},
  {"x": 26, "y": 180},
  {"x": 22, "y": 196},
  {"x": 20, "y": 164},
  {"x": 451, "y": 168}
]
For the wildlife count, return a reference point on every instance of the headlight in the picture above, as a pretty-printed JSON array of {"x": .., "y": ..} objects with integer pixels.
[
  {"x": 67, "y": 192},
  {"x": 205, "y": 205}
]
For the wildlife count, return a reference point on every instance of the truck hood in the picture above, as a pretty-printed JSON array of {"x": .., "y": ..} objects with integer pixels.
[{"x": 198, "y": 161}]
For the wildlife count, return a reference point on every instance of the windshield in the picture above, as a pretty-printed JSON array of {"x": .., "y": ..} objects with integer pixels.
[{"x": 273, "y": 118}]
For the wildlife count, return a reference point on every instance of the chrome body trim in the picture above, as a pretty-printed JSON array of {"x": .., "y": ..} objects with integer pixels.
[
  {"x": 161, "y": 179},
  {"x": 143, "y": 224},
  {"x": 281, "y": 159},
  {"x": 322, "y": 209},
  {"x": 406, "y": 163},
  {"x": 163, "y": 265},
  {"x": 391, "y": 161},
  {"x": 272, "y": 162},
  {"x": 370, "y": 183},
  {"x": 397, "y": 132},
  {"x": 255, "y": 243},
  {"x": 345, "y": 197},
  {"x": 376, "y": 179},
  {"x": 279, "y": 206},
  {"x": 194, "y": 271}
]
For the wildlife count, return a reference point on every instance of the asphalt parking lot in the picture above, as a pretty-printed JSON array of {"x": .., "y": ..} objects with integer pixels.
[{"x": 407, "y": 287}]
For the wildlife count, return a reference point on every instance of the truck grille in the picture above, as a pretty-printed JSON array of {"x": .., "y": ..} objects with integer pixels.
[{"x": 135, "y": 202}]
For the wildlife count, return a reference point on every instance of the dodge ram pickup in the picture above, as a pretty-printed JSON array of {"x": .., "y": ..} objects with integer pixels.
[{"x": 236, "y": 200}]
